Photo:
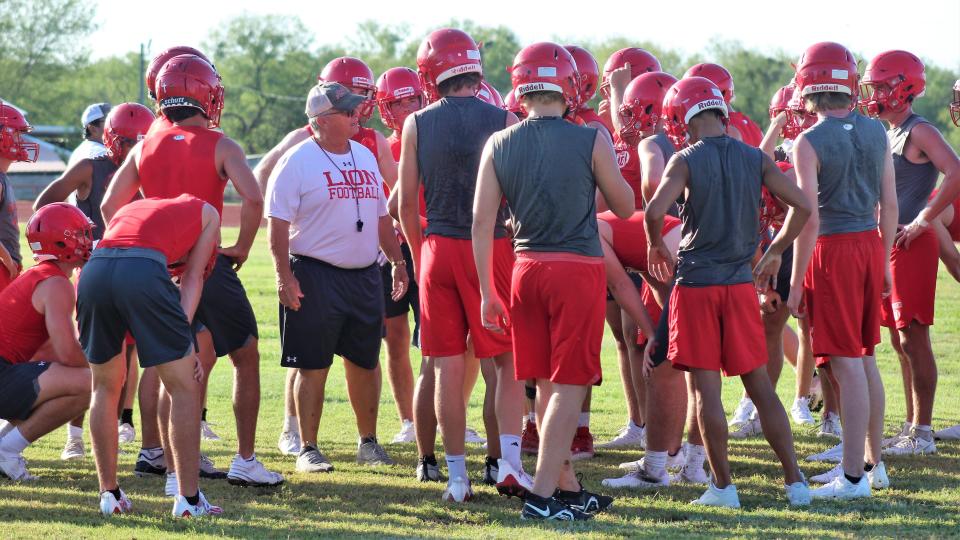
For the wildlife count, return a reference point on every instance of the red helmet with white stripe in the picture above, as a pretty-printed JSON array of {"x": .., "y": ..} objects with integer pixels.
[
  {"x": 150, "y": 78},
  {"x": 393, "y": 86},
  {"x": 60, "y": 232},
  {"x": 489, "y": 94},
  {"x": 444, "y": 54},
  {"x": 891, "y": 82},
  {"x": 716, "y": 73},
  {"x": 126, "y": 123},
  {"x": 356, "y": 76},
  {"x": 512, "y": 105},
  {"x": 546, "y": 67},
  {"x": 190, "y": 81},
  {"x": 12, "y": 128},
  {"x": 588, "y": 70},
  {"x": 643, "y": 103},
  {"x": 640, "y": 61},
  {"x": 828, "y": 67},
  {"x": 687, "y": 98}
]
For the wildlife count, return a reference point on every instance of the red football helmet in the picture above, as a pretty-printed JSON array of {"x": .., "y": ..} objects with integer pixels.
[
  {"x": 355, "y": 75},
  {"x": 892, "y": 81},
  {"x": 12, "y": 127},
  {"x": 443, "y": 54},
  {"x": 546, "y": 66},
  {"x": 60, "y": 232},
  {"x": 685, "y": 99},
  {"x": 716, "y": 73},
  {"x": 512, "y": 105},
  {"x": 159, "y": 60},
  {"x": 640, "y": 61},
  {"x": 588, "y": 70},
  {"x": 955, "y": 104},
  {"x": 642, "y": 104},
  {"x": 395, "y": 84},
  {"x": 190, "y": 81},
  {"x": 489, "y": 94},
  {"x": 126, "y": 123},
  {"x": 828, "y": 67}
]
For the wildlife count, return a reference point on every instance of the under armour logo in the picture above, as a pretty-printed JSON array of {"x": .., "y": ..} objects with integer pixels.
[{"x": 292, "y": 359}]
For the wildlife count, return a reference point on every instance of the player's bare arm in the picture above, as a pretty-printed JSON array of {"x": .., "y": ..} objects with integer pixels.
[
  {"x": 233, "y": 165},
  {"x": 799, "y": 211},
  {"x": 807, "y": 166},
  {"x": 55, "y": 298},
  {"x": 191, "y": 283},
  {"x": 930, "y": 143},
  {"x": 651, "y": 167},
  {"x": 76, "y": 178},
  {"x": 659, "y": 258},
  {"x": 385, "y": 162},
  {"x": 269, "y": 160},
  {"x": 622, "y": 288},
  {"x": 391, "y": 248},
  {"x": 124, "y": 186},
  {"x": 409, "y": 197},
  {"x": 486, "y": 202}
]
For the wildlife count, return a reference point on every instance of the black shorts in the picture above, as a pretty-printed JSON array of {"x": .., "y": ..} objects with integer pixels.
[
  {"x": 19, "y": 388},
  {"x": 341, "y": 313},
  {"x": 129, "y": 290},
  {"x": 635, "y": 278},
  {"x": 783, "y": 276},
  {"x": 225, "y": 309},
  {"x": 410, "y": 299}
]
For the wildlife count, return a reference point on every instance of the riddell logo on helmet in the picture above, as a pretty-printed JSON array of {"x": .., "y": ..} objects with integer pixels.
[
  {"x": 403, "y": 92},
  {"x": 360, "y": 81},
  {"x": 710, "y": 104},
  {"x": 465, "y": 68},
  {"x": 530, "y": 87},
  {"x": 816, "y": 88}
]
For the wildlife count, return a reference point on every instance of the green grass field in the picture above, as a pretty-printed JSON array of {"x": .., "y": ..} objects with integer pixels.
[{"x": 357, "y": 501}]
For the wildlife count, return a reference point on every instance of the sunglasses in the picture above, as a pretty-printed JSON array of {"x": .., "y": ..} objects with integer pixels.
[{"x": 337, "y": 111}]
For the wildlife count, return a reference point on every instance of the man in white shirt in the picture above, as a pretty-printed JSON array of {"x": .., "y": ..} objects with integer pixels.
[
  {"x": 92, "y": 121},
  {"x": 327, "y": 216}
]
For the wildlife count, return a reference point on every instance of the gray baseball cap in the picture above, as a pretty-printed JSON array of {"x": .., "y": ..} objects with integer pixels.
[
  {"x": 330, "y": 95},
  {"x": 93, "y": 113}
]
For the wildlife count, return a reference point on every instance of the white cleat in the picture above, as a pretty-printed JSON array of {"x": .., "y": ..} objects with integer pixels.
[
  {"x": 170, "y": 488},
  {"x": 126, "y": 434},
  {"x": 828, "y": 476},
  {"x": 14, "y": 467},
  {"x": 911, "y": 446},
  {"x": 691, "y": 474},
  {"x": 800, "y": 411},
  {"x": 798, "y": 493},
  {"x": 831, "y": 455},
  {"x": 713, "y": 496},
  {"x": 251, "y": 472},
  {"x": 458, "y": 490},
  {"x": 743, "y": 412},
  {"x": 878, "y": 476},
  {"x": 109, "y": 505},
  {"x": 470, "y": 436},
  {"x": 627, "y": 437},
  {"x": 207, "y": 433},
  {"x": 674, "y": 462},
  {"x": 407, "y": 433},
  {"x": 904, "y": 432},
  {"x": 73, "y": 449},
  {"x": 638, "y": 480},
  {"x": 841, "y": 488},
  {"x": 747, "y": 429},
  {"x": 948, "y": 434},
  {"x": 183, "y": 509},
  {"x": 511, "y": 482},
  {"x": 830, "y": 426},
  {"x": 289, "y": 443}
]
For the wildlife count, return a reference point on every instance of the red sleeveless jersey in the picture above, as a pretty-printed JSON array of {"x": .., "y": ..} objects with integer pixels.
[
  {"x": 159, "y": 124},
  {"x": 588, "y": 115},
  {"x": 170, "y": 226},
  {"x": 629, "y": 162},
  {"x": 23, "y": 330},
  {"x": 180, "y": 160},
  {"x": 630, "y": 237},
  {"x": 749, "y": 130},
  {"x": 394, "y": 141},
  {"x": 772, "y": 211}
]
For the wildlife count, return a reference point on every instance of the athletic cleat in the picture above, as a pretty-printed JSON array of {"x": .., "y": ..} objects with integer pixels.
[
  {"x": 627, "y": 437},
  {"x": 951, "y": 433},
  {"x": 470, "y": 436},
  {"x": 529, "y": 439},
  {"x": 14, "y": 467},
  {"x": 209, "y": 470},
  {"x": 690, "y": 474},
  {"x": 109, "y": 505},
  {"x": 582, "y": 447},
  {"x": 714, "y": 496},
  {"x": 407, "y": 433},
  {"x": 742, "y": 413},
  {"x": 126, "y": 434},
  {"x": 798, "y": 493},
  {"x": 458, "y": 490},
  {"x": 372, "y": 453},
  {"x": 251, "y": 472},
  {"x": 830, "y": 426},
  {"x": 911, "y": 446},
  {"x": 904, "y": 432},
  {"x": 747, "y": 429},
  {"x": 311, "y": 460},
  {"x": 878, "y": 476},
  {"x": 427, "y": 469},
  {"x": 207, "y": 433},
  {"x": 289, "y": 443},
  {"x": 828, "y": 476},
  {"x": 5, "y": 427},
  {"x": 513, "y": 483},
  {"x": 638, "y": 480},
  {"x": 800, "y": 411},
  {"x": 170, "y": 487},
  {"x": 674, "y": 462},
  {"x": 73, "y": 449},
  {"x": 841, "y": 488},
  {"x": 551, "y": 508},
  {"x": 147, "y": 466},
  {"x": 831, "y": 455},
  {"x": 491, "y": 471},
  {"x": 183, "y": 509},
  {"x": 584, "y": 501}
]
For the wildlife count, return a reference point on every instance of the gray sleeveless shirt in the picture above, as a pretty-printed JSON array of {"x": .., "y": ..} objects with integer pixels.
[
  {"x": 9, "y": 230},
  {"x": 915, "y": 181},
  {"x": 103, "y": 170}
]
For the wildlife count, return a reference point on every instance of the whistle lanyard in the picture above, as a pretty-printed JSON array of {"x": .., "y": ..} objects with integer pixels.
[{"x": 353, "y": 187}]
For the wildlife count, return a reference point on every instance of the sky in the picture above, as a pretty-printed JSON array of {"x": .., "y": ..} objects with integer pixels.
[{"x": 931, "y": 29}]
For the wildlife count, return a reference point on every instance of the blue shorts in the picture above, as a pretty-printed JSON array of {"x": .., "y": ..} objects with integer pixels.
[
  {"x": 19, "y": 388},
  {"x": 410, "y": 299},
  {"x": 123, "y": 290},
  {"x": 225, "y": 309}
]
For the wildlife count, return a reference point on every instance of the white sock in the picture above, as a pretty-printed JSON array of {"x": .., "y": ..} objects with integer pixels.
[
  {"x": 907, "y": 426},
  {"x": 633, "y": 426},
  {"x": 5, "y": 427},
  {"x": 510, "y": 451},
  {"x": 13, "y": 442},
  {"x": 74, "y": 432},
  {"x": 457, "y": 466},
  {"x": 290, "y": 424},
  {"x": 696, "y": 455},
  {"x": 532, "y": 417},
  {"x": 584, "y": 420},
  {"x": 655, "y": 463}
]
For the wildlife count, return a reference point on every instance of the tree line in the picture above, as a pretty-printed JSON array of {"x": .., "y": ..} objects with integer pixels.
[{"x": 268, "y": 63}]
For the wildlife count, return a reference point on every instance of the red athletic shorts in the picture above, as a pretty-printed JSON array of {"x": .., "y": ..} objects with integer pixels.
[
  {"x": 653, "y": 309},
  {"x": 914, "y": 283},
  {"x": 557, "y": 304},
  {"x": 842, "y": 290},
  {"x": 450, "y": 297},
  {"x": 716, "y": 328}
]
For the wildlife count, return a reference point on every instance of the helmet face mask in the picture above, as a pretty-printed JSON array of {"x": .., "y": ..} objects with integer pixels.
[
  {"x": 588, "y": 73},
  {"x": 642, "y": 105},
  {"x": 12, "y": 128},
  {"x": 399, "y": 94},
  {"x": 60, "y": 232},
  {"x": 955, "y": 104},
  {"x": 892, "y": 80}
]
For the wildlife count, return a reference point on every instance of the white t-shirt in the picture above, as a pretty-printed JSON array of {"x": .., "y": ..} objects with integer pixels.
[
  {"x": 320, "y": 197},
  {"x": 87, "y": 150}
]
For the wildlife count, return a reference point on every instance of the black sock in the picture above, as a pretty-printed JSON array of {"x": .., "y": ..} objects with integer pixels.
[
  {"x": 493, "y": 461},
  {"x": 429, "y": 459},
  {"x": 365, "y": 440},
  {"x": 306, "y": 448},
  {"x": 853, "y": 479},
  {"x": 126, "y": 417},
  {"x": 868, "y": 467},
  {"x": 203, "y": 415},
  {"x": 194, "y": 500},
  {"x": 115, "y": 492},
  {"x": 533, "y": 497}
]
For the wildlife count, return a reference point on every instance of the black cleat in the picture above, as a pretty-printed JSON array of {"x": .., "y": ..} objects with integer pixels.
[
  {"x": 584, "y": 501},
  {"x": 536, "y": 507}
]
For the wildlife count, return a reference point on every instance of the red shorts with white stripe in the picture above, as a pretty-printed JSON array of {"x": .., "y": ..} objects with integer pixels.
[
  {"x": 842, "y": 291},
  {"x": 557, "y": 327},
  {"x": 914, "y": 283},
  {"x": 717, "y": 328}
]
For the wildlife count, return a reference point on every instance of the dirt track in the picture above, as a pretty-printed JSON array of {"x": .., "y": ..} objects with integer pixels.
[{"x": 231, "y": 213}]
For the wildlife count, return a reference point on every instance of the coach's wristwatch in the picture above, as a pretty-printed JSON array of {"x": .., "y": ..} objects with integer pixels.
[{"x": 401, "y": 262}]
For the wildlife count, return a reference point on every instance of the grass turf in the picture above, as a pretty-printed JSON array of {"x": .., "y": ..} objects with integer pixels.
[{"x": 359, "y": 501}]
